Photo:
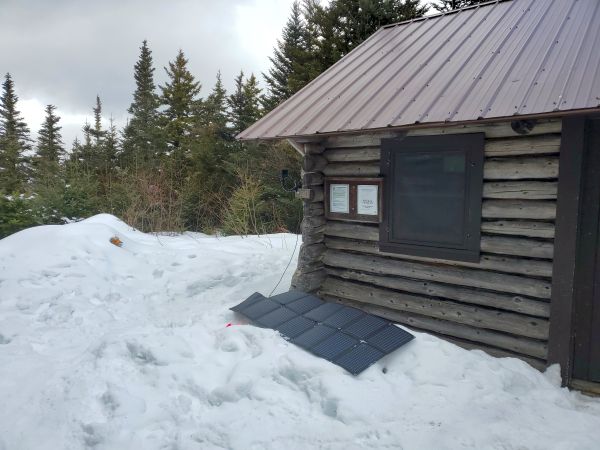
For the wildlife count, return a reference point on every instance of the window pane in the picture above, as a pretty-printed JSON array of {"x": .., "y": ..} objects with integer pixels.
[{"x": 429, "y": 197}]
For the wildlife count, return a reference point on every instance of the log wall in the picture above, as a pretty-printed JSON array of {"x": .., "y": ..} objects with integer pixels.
[{"x": 501, "y": 304}]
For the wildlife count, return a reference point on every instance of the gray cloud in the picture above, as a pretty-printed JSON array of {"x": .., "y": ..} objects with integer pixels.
[{"x": 66, "y": 51}]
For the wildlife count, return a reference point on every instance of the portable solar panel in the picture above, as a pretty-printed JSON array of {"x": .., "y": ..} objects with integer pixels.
[{"x": 346, "y": 336}]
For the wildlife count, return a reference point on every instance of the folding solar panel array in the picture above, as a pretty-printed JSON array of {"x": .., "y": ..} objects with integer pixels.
[{"x": 341, "y": 334}]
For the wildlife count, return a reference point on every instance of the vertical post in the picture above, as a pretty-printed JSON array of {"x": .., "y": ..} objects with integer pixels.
[
  {"x": 566, "y": 241},
  {"x": 310, "y": 272}
]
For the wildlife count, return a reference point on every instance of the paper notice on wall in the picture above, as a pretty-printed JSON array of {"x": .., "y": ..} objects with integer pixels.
[
  {"x": 367, "y": 199},
  {"x": 339, "y": 198}
]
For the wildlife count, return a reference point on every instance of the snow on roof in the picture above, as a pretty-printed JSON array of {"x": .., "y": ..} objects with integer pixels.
[{"x": 501, "y": 59}]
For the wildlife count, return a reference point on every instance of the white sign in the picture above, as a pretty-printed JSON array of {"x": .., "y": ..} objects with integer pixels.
[
  {"x": 367, "y": 199},
  {"x": 339, "y": 198}
]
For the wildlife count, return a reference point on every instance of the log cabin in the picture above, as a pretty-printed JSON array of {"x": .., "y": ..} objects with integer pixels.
[{"x": 451, "y": 179}]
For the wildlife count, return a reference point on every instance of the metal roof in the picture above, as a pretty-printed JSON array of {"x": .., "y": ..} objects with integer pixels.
[{"x": 499, "y": 59}]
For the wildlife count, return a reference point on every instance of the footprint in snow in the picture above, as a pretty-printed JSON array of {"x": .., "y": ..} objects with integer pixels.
[
  {"x": 4, "y": 340},
  {"x": 191, "y": 256}
]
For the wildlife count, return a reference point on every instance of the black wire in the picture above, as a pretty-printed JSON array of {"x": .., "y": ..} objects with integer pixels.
[{"x": 290, "y": 261}]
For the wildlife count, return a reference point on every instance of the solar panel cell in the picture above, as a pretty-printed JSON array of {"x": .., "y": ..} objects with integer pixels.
[
  {"x": 359, "y": 358},
  {"x": 305, "y": 304},
  {"x": 295, "y": 327},
  {"x": 276, "y": 317},
  {"x": 320, "y": 313},
  {"x": 365, "y": 326},
  {"x": 260, "y": 308},
  {"x": 343, "y": 317},
  {"x": 288, "y": 297},
  {"x": 334, "y": 346},
  {"x": 248, "y": 302},
  {"x": 313, "y": 336},
  {"x": 389, "y": 338}
]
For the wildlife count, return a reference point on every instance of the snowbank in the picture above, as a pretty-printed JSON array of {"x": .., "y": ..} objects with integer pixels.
[{"x": 127, "y": 348}]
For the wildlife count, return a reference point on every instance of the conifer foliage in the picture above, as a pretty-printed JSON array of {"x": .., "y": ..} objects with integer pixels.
[
  {"x": 50, "y": 148},
  {"x": 14, "y": 140}
]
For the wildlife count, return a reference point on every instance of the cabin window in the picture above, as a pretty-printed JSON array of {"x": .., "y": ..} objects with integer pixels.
[{"x": 432, "y": 196}]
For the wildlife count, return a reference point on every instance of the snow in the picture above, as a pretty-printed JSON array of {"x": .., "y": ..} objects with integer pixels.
[{"x": 127, "y": 348}]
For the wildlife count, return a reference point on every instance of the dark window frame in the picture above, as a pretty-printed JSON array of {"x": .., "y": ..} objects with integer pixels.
[{"x": 472, "y": 145}]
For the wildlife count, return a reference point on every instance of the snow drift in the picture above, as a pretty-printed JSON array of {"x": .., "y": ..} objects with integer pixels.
[{"x": 127, "y": 347}]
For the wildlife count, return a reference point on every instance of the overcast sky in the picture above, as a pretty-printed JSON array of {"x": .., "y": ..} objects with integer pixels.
[{"x": 65, "y": 52}]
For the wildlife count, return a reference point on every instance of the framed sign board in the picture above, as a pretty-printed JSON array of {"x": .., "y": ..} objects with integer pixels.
[{"x": 353, "y": 199}]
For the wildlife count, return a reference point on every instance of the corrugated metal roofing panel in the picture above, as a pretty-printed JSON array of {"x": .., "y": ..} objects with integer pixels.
[{"x": 502, "y": 59}]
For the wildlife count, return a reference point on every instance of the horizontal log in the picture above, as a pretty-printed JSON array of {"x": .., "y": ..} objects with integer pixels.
[
  {"x": 317, "y": 194},
  {"x": 352, "y": 230},
  {"x": 520, "y": 168},
  {"x": 313, "y": 148},
  {"x": 313, "y": 209},
  {"x": 357, "y": 154},
  {"x": 491, "y": 130},
  {"x": 313, "y": 237},
  {"x": 313, "y": 251},
  {"x": 524, "y": 190},
  {"x": 308, "y": 281},
  {"x": 518, "y": 209},
  {"x": 459, "y": 276},
  {"x": 313, "y": 163},
  {"x": 507, "y": 264},
  {"x": 519, "y": 228},
  {"x": 517, "y": 246},
  {"x": 473, "y": 316},
  {"x": 523, "y": 145},
  {"x": 312, "y": 178},
  {"x": 508, "y": 302},
  {"x": 520, "y": 345},
  {"x": 313, "y": 222},
  {"x": 352, "y": 169}
]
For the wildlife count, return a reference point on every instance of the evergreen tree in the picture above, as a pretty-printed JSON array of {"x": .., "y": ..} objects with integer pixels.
[
  {"x": 141, "y": 136},
  {"x": 244, "y": 103},
  {"x": 97, "y": 133},
  {"x": 50, "y": 149},
  {"x": 449, "y": 5},
  {"x": 179, "y": 97},
  {"x": 352, "y": 21},
  {"x": 14, "y": 140},
  {"x": 293, "y": 65},
  {"x": 214, "y": 109}
]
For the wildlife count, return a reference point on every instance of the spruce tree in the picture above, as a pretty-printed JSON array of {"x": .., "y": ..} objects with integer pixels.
[
  {"x": 97, "y": 133},
  {"x": 14, "y": 140},
  {"x": 141, "y": 136},
  {"x": 293, "y": 65},
  {"x": 353, "y": 21},
  {"x": 214, "y": 109},
  {"x": 180, "y": 99},
  {"x": 50, "y": 148},
  {"x": 244, "y": 103}
]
